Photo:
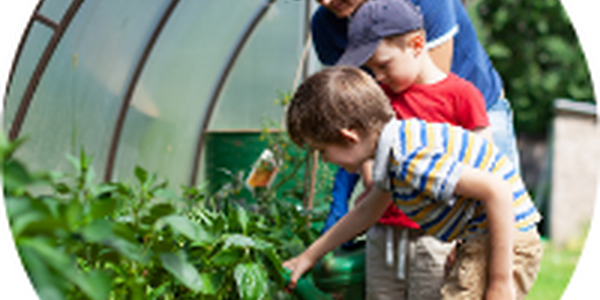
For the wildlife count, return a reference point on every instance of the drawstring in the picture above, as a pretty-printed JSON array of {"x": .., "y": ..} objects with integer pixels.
[
  {"x": 389, "y": 246},
  {"x": 402, "y": 245},
  {"x": 389, "y": 250}
]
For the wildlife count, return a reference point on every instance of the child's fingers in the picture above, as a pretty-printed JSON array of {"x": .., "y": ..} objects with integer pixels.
[
  {"x": 291, "y": 286},
  {"x": 290, "y": 265}
]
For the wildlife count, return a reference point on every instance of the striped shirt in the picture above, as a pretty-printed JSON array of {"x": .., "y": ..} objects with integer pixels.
[{"x": 420, "y": 164}]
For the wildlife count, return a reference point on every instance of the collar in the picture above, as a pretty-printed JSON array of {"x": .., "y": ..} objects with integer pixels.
[{"x": 387, "y": 140}]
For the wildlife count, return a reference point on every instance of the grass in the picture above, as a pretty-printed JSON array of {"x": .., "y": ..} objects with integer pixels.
[{"x": 558, "y": 264}]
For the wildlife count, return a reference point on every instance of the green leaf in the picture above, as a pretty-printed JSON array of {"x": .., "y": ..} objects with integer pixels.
[
  {"x": 136, "y": 287},
  {"x": 160, "y": 210},
  {"x": 242, "y": 218},
  {"x": 74, "y": 213},
  {"x": 62, "y": 188},
  {"x": 101, "y": 232},
  {"x": 46, "y": 283},
  {"x": 141, "y": 174},
  {"x": 189, "y": 229},
  {"x": 183, "y": 270},
  {"x": 36, "y": 224},
  {"x": 30, "y": 217},
  {"x": 271, "y": 254},
  {"x": 238, "y": 240},
  {"x": 7, "y": 148},
  {"x": 74, "y": 161},
  {"x": 18, "y": 205},
  {"x": 211, "y": 282},
  {"x": 103, "y": 191},
  {"x": 226, "y": 257},
  {"x": 101, "y": 208},
  {"x": 15, "y": 175},
  {"x": 128, "y": 249},
  {"x": 95, "y": 285},
  {"x": 251, "y": 280}
]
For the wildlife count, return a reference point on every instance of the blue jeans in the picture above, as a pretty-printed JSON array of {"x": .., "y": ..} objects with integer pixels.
[
  {"x": 343, "y": 186},
  {"x": 503, "y": 132}
]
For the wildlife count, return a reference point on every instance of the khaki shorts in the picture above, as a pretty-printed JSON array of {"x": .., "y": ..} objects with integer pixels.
[
  {"x": 410, "y": 270},
  {"x": 467, "y": 278}
]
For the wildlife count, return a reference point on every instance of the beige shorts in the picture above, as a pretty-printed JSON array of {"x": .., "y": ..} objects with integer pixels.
[
  {"x": 403, "y": 264},
  {"x": 467, "y": 277}
]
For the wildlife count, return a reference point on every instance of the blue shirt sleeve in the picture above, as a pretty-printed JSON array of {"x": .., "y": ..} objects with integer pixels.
[
  {"x": 440, "y": 20},
  {"x": 329, "y": 35}
]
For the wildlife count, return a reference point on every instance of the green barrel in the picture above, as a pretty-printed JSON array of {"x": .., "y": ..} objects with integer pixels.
[
  {"x": 341, "y": 273},
  {"x": 237, "y": 151},
  {"x": 233, "y": 151}
]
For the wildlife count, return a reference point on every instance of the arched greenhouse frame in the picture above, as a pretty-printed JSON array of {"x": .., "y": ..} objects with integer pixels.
[{"x": 140, "y": 83}]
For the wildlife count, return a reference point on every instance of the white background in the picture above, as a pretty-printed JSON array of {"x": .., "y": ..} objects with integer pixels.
[{"x": 15, "y": 14}]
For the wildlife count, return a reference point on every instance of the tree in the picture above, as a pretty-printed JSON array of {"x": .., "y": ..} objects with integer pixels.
[{"x": 533, "y": 46}]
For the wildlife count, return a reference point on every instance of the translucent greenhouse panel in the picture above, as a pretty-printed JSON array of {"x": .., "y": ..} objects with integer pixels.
[
  {"x": 266, "y": 67},
  {"x": 163, "y": 122},
  {"x": 34, "y": 46},
  {"x": 54, "y": 9},
  {"x": 78, "y": 99}
]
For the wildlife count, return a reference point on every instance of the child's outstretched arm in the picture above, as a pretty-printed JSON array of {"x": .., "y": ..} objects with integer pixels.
[
  {"x": 359, "y": 219},
  {"x": 496, "y": 195}
]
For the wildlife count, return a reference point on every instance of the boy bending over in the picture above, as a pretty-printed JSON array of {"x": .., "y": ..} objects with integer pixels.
[{"x": 453, "y": 183}]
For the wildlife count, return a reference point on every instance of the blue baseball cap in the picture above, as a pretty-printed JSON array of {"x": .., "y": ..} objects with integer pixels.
[{"x": 375, "y": 20}]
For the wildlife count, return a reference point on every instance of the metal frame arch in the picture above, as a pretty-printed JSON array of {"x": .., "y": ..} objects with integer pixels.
[
  {"x": 59, "y": 30},
  {"x": 218, "y": 88},
  {"x": 131, "y": 87}
]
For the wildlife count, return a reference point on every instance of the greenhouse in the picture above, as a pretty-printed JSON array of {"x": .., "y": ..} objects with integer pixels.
[
  {"x": 145, "y": 156},
  {"x": 152, "y": 84},
  {"x": 132, "y": 125}
]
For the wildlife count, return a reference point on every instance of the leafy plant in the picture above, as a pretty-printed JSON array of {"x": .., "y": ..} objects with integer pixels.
[{"x": 84, "y": 240}]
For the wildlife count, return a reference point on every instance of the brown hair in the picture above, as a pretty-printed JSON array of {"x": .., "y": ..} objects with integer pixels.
[{"x": 333, "y": 99}]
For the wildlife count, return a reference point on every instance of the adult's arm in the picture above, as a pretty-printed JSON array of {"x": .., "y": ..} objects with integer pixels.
[{"x": 442, "y": 55}]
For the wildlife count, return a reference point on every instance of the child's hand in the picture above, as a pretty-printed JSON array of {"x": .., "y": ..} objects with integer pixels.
[
  {"x": 500, "y": 290},
  {"x": 298, "y": 266}
]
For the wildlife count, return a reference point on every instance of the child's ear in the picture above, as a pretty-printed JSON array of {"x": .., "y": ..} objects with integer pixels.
[
  {"x": 418, "y": 43},
  {"x": 350, "y": 134}
]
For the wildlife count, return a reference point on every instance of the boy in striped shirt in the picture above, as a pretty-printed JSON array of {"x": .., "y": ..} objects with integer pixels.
[{"x": 454, "y": 184}]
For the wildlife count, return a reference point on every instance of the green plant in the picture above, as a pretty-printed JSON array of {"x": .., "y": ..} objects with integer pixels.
[
  {"x": 84, "y": 240},
  {"x": 535, "y": 49}
]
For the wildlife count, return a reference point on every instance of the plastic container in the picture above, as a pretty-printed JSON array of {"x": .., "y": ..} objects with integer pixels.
[
  {"x": 305, "y": 288},
  {"x": 232, "y": 151},
  {"x": 341, "y": 273}
]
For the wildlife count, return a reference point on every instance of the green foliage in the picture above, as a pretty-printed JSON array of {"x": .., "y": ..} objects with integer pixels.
[
  {"x": 87, "y": 240},
  {"x": 535, "y": 49}
]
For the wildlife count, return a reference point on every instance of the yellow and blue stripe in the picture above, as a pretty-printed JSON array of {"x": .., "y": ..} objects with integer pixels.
[{"x": 426, "y": 163}]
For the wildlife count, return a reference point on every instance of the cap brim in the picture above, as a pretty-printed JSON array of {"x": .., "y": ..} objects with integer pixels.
[{"x": 358, "y": 56}]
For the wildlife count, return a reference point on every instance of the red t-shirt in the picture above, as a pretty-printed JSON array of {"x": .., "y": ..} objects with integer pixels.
[{"x": 452, "y": 100}]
